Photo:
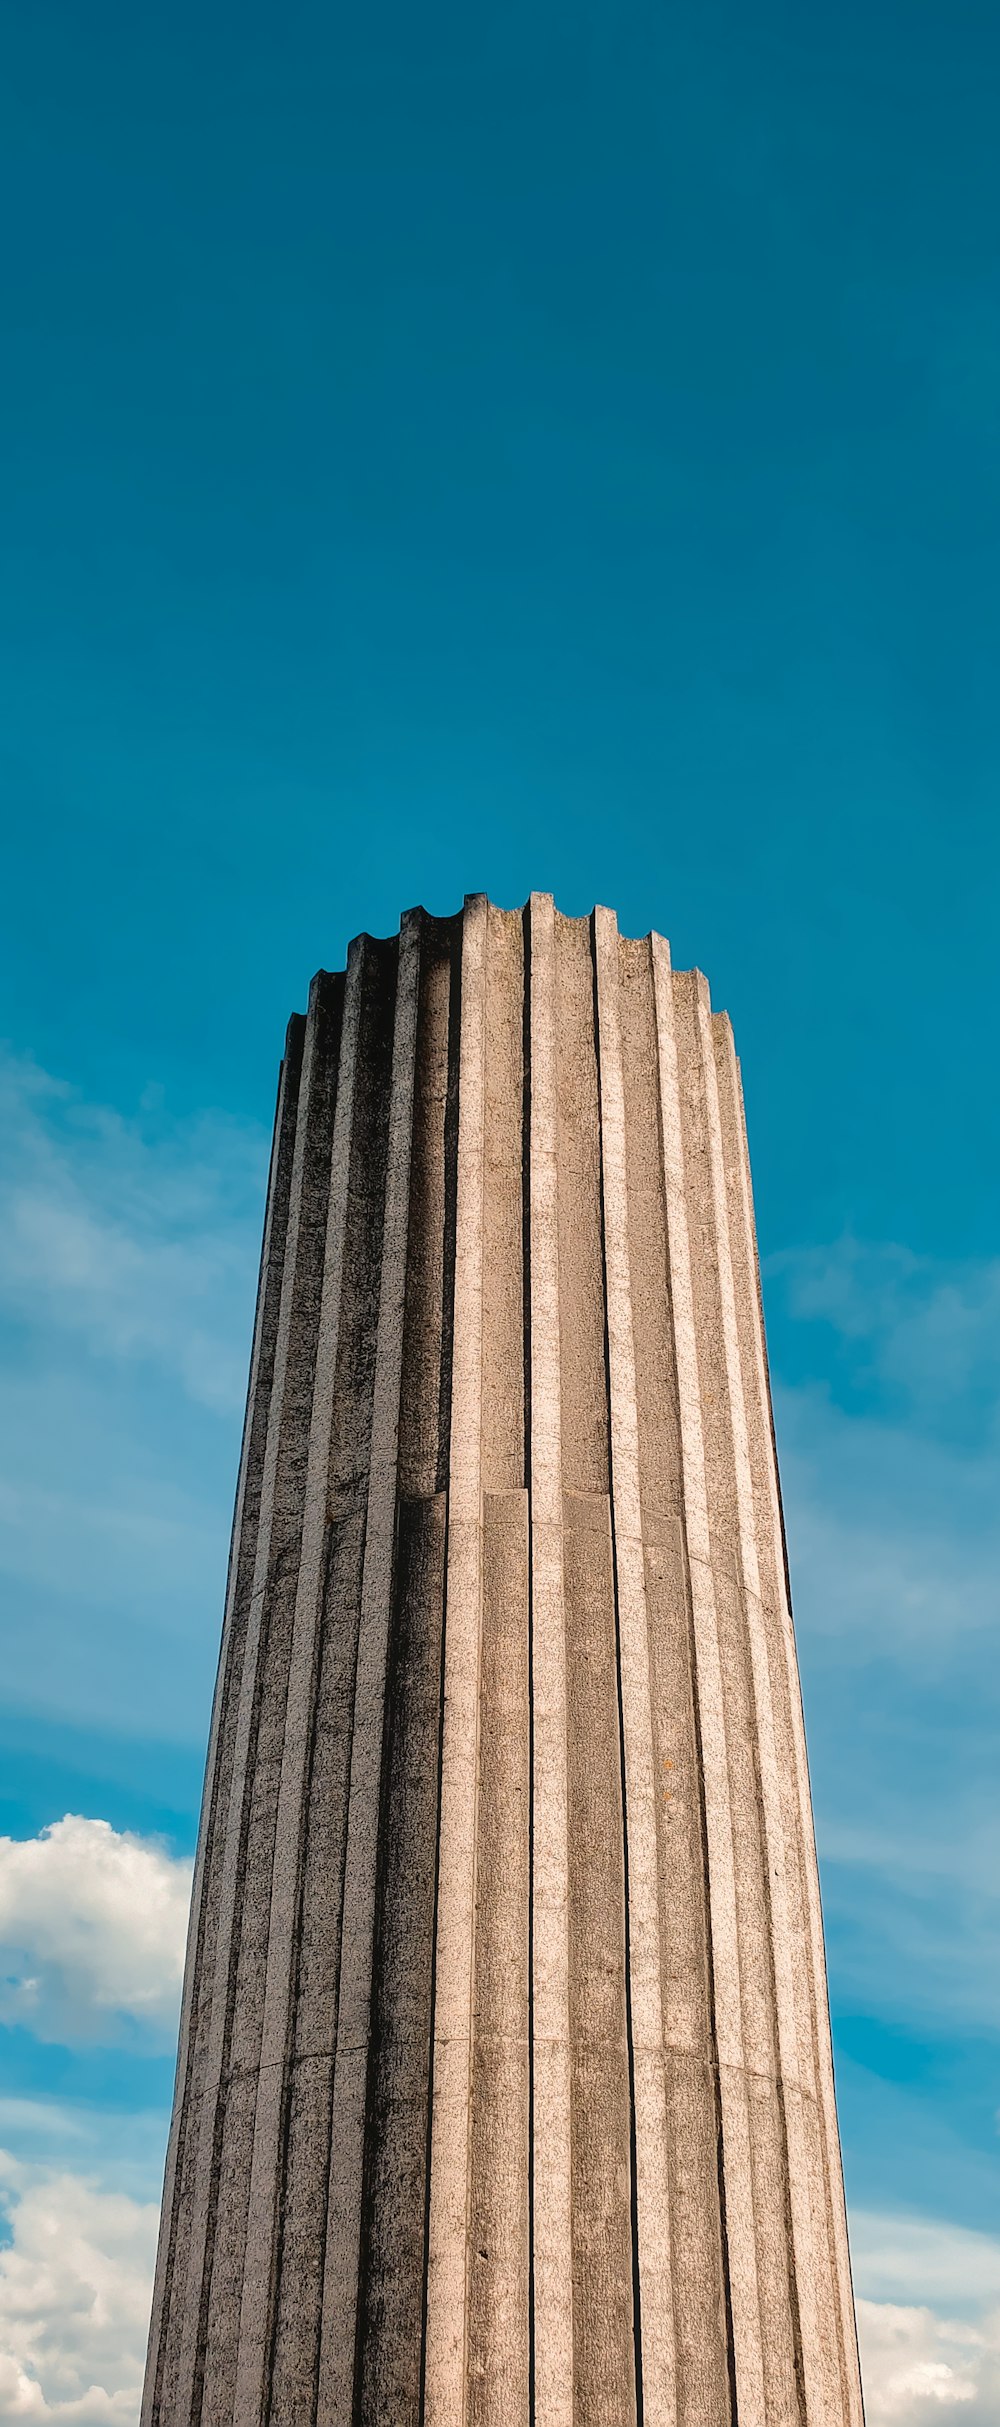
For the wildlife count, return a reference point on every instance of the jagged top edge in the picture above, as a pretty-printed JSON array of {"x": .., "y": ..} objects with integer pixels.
[
  {"x": 418, "y": 913},
  {"x": 450, "y": 918}
]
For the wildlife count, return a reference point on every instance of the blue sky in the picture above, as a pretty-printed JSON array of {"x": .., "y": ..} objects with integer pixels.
[{"x": 456, "y": 450}]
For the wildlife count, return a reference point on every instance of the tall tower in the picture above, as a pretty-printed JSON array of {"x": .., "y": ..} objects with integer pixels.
[{"x": 505, "y": 2091}]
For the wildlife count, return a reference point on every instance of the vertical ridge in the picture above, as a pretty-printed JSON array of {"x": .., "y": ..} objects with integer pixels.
[
  {"x": 814, "y": 2028},
  {"x": 497, "y": 2365},
  {"x": 252, "y": 2390},
  {"x": 343, "y": 2233},
  {"x": 739, "y": 2238},
  {"x": 186, "y": 2110},
  {"x": 392, "y": 2293},
  {"x": 655, "y": 2366},
  {"x": 601, "y": 2110},
  {"x": 305, "y": 2124},
  {"x": 699, "y": 2323},
  {"x": 447, "y": 2262},
  {"x": 290, "y": 1384},
  {"x": 551, "y": 2150},
  {"x": 257, "y": 1847},
  {"x": 777, "y": 1952},
  {"x": 526, "y": 1401}
]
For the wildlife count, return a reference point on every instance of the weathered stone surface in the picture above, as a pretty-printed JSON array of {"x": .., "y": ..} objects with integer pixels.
[{"x": 504, "y": 2089}]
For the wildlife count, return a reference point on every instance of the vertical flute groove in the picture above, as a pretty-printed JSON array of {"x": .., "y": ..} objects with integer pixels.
[
  {"x": 256, "y": 2320},
  {"x": 526, "y": 1284},
  {"x": 793, "y": 2300},
  {"x": 838, "y": 2344},
  {"x": 343, "y": 2235},
  {"x": 276, "y": 1536},
  {"x": 186, "y": 2106},
  {"x": 654, "y": 2323},
  {"x": 551, "y": 2159},
  {"x": 616, "y": 1321},
  {"x": 738, "y": 2223},
  {"x": 448, "y": 2258}
]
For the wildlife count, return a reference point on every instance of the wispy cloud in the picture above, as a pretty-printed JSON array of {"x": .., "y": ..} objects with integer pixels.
[
  {"x": 927, "y": 1329},
  {"x": 888, "y": 1389},
  {"x": 894, "y": 1536},
  {"x": 918, "y": 1910},
  {"x": 921, "y": 2259},
  {"x": 139, "y": 1234},
  {"x": 112, "y": 2148},
  {"x": 128, "y": 1251},
  {"x": 894, "y": 1540},
  {"x": 890, "y": 1442}
]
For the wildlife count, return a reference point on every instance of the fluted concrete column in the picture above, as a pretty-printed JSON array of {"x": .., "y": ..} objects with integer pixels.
[{"x": 504, "y": 2091}]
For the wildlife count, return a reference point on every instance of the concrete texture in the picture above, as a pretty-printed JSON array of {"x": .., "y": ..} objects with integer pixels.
[{"x": 504, "y": 2091}]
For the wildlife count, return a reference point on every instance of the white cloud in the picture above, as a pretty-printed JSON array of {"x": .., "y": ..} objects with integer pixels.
[
  {"x": 920, "y": 2368},
  {"x": 928, "y": 2321},
  {"x": 138, "y": 1235},
  {"x": 75, "y": 2282},
  {"x": 92, "y": 1930}
]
